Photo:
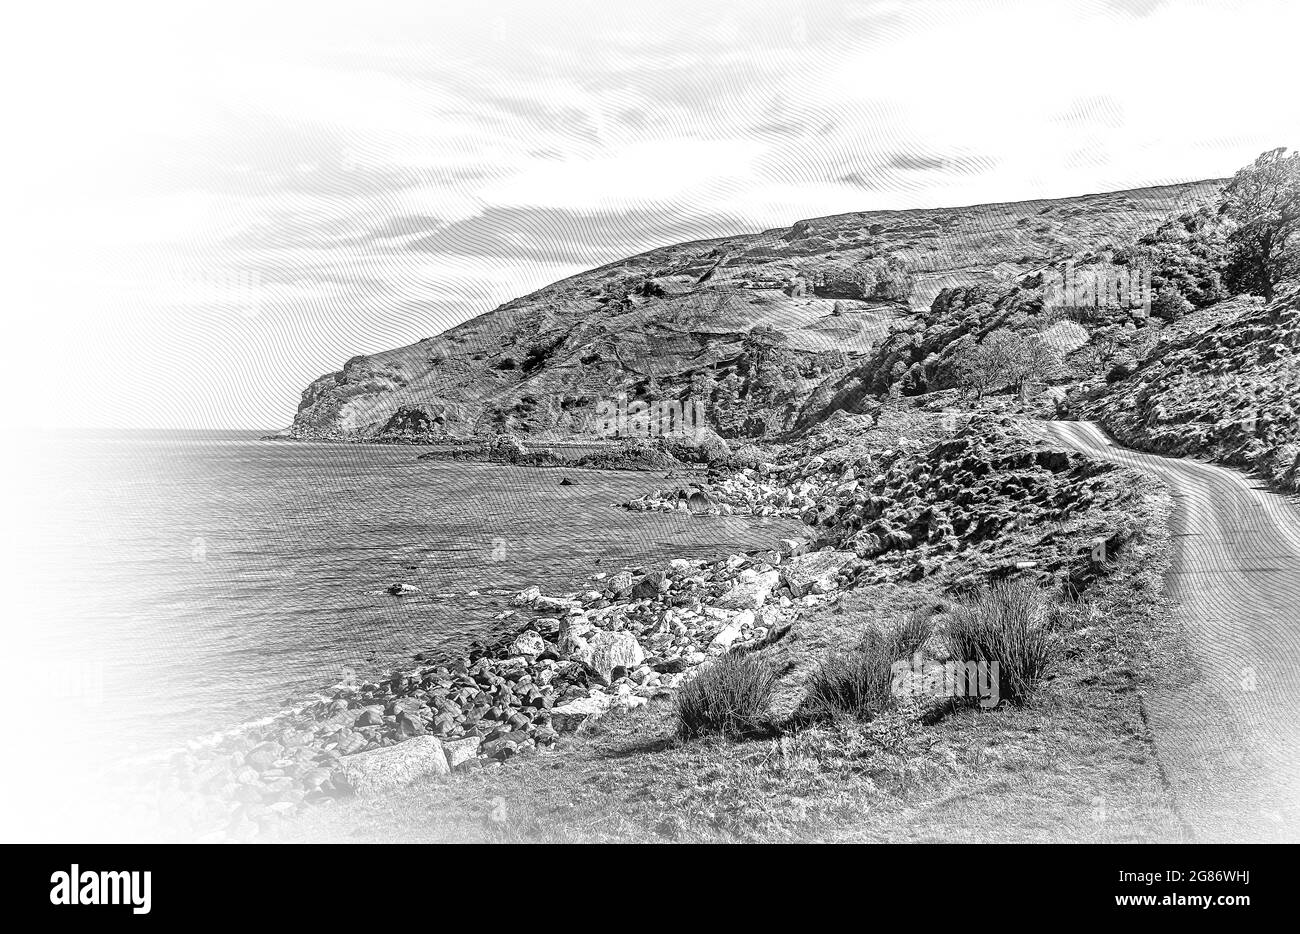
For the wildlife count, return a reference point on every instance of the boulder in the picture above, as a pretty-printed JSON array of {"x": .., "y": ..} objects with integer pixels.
[
  {"x": 604, "y": 651},
  {"x": 528, "y": 643},
  {"x": 750, "y": 589},
  {"x": 816, "y": 572},
  {"x": 372, "y": 773},
  {"x": 621, "y": 583}
]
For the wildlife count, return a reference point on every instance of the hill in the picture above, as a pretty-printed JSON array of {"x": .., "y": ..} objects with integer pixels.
[{"x": 761, "y": 329}]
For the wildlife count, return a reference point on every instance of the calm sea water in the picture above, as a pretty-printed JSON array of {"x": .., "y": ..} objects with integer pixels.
[{"x": 177, "y": 584}]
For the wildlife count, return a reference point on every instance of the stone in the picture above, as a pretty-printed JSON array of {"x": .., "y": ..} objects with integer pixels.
[
  {"x": 459, "y": 751},
  {"x": 527, "y": 596},
  {"x": 380, "y": 770},
  {"x": 621, "y": 583},
  {"x": 528, "y": 643},
  {"x": 370, "y": 716},
  {"x": 750, "y": 589},
  {"x": 568, "y": 717},
  {"x": 606, "y": 651},
  {"x": 816, "y": 572}
]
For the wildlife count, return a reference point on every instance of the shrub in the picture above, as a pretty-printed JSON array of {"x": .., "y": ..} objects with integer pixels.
[
  {"x": 1170, "y": 305},
  {"x": 1004, "y": 623},
  {"x": 732, "y": 697},
  {"x": 858, "y": 683}
]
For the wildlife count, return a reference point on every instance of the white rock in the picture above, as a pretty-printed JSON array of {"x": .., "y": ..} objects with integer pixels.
[
  {"x": 750, "y": 589},
  {"x": 528, "y": 643},
  {"x": 460, "y": 750},
  {"x": 607, "y": 650},
  {"x": 377, "y": 771},
  {"x": 814, "y": 573}
]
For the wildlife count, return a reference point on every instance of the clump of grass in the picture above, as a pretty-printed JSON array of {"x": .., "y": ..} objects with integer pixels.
[
  {"x": 858, "y": 683},
  {"x": 731, "y": 697},
  {"x": 1006, "y": 623}
]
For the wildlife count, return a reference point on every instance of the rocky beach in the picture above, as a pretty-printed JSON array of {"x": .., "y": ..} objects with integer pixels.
[{"x": 893, "y": 498}]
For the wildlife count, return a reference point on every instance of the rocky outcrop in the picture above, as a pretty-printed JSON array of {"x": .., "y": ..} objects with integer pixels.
[
  {"x": 1224, "y": 384},
  {"x": 760, "y": 329}
]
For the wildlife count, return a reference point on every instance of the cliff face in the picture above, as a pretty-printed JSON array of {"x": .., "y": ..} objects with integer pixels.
[{"x": 757, "y": 328}]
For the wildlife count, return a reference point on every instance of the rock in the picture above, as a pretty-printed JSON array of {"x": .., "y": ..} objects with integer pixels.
[
  {"x": 569, "y": 717},
  {"x": 459, "y": 751},
  {"x": 370, "y": 716},
  {"x": 528, "y": 643},
  {"x": 566, "y": 482},
  {"x": 750, "y": 589},
  {"x": 527, "y": 596},
  {"x": 371, "y": 773},
  {"x": 733, "y": 630},
  {"x": 816, "y": 572},
  {"x": 606, "y": 651},
  {"x": 790, "y": 547},
  {"x": 648, "y": 586},
  {"x": 400, "y": 589},
  {"x": 621, "y": 583}
]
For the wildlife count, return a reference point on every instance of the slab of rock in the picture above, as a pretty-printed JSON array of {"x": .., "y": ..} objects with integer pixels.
[
  {"x": 570, "y": 716},
  {"x": 459, "y": 751},
  {"x": 380, "y": 770},
  {"x": 815, "y": 573},
  {"x": 750, "y": 589}
]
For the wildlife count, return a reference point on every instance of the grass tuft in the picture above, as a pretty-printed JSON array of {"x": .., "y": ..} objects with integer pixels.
[
  {"x": 857, "y": 683},
  {"x": 1006, "y": 623},
  {"x": 731, "y": 697}
]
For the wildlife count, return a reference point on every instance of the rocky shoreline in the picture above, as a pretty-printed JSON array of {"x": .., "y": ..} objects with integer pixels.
[
  {"x": 627, "y": 640},
  {"x": 882, "y": 502}
]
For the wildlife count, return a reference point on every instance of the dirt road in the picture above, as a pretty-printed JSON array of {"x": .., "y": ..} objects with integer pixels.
[{"x": 1228, "y": 735}]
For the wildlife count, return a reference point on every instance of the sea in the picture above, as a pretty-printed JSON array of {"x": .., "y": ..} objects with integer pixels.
[{"x": 173, "y": 585}]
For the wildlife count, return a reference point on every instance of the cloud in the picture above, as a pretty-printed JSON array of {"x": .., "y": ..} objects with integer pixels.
[{"x": 382, "y": 177}]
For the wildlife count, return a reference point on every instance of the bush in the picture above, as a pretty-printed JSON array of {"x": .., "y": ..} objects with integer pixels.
[
  {"x": 858, "y": 683},
  {"x": 732, "y": 697},
  {"x": 1004, "y": 623},
  {"x": 1170, "y": 305}
]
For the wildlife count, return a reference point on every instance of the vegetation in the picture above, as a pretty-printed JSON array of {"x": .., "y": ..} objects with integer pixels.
[
  {"x": 731, "y": 697},
  {"x": 857, "y": 683},
  {"x": 1264, "y": 200},
  {"x": 1004, "y": 623}
]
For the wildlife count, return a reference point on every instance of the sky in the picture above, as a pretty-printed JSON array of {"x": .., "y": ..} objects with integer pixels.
[{"x": 212, "y": 204}]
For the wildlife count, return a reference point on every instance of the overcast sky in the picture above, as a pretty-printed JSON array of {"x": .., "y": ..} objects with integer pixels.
[{"x": 216, "y": 203}]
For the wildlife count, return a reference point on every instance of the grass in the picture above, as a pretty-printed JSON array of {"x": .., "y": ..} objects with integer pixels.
[
  {"x": 1004, "y": 623},
  {"x": 732, "y": 697},
  {"x": 858, "y": 683}
]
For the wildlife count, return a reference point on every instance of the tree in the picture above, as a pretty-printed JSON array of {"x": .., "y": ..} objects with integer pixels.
[{"x": 1264, "y": 200}]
